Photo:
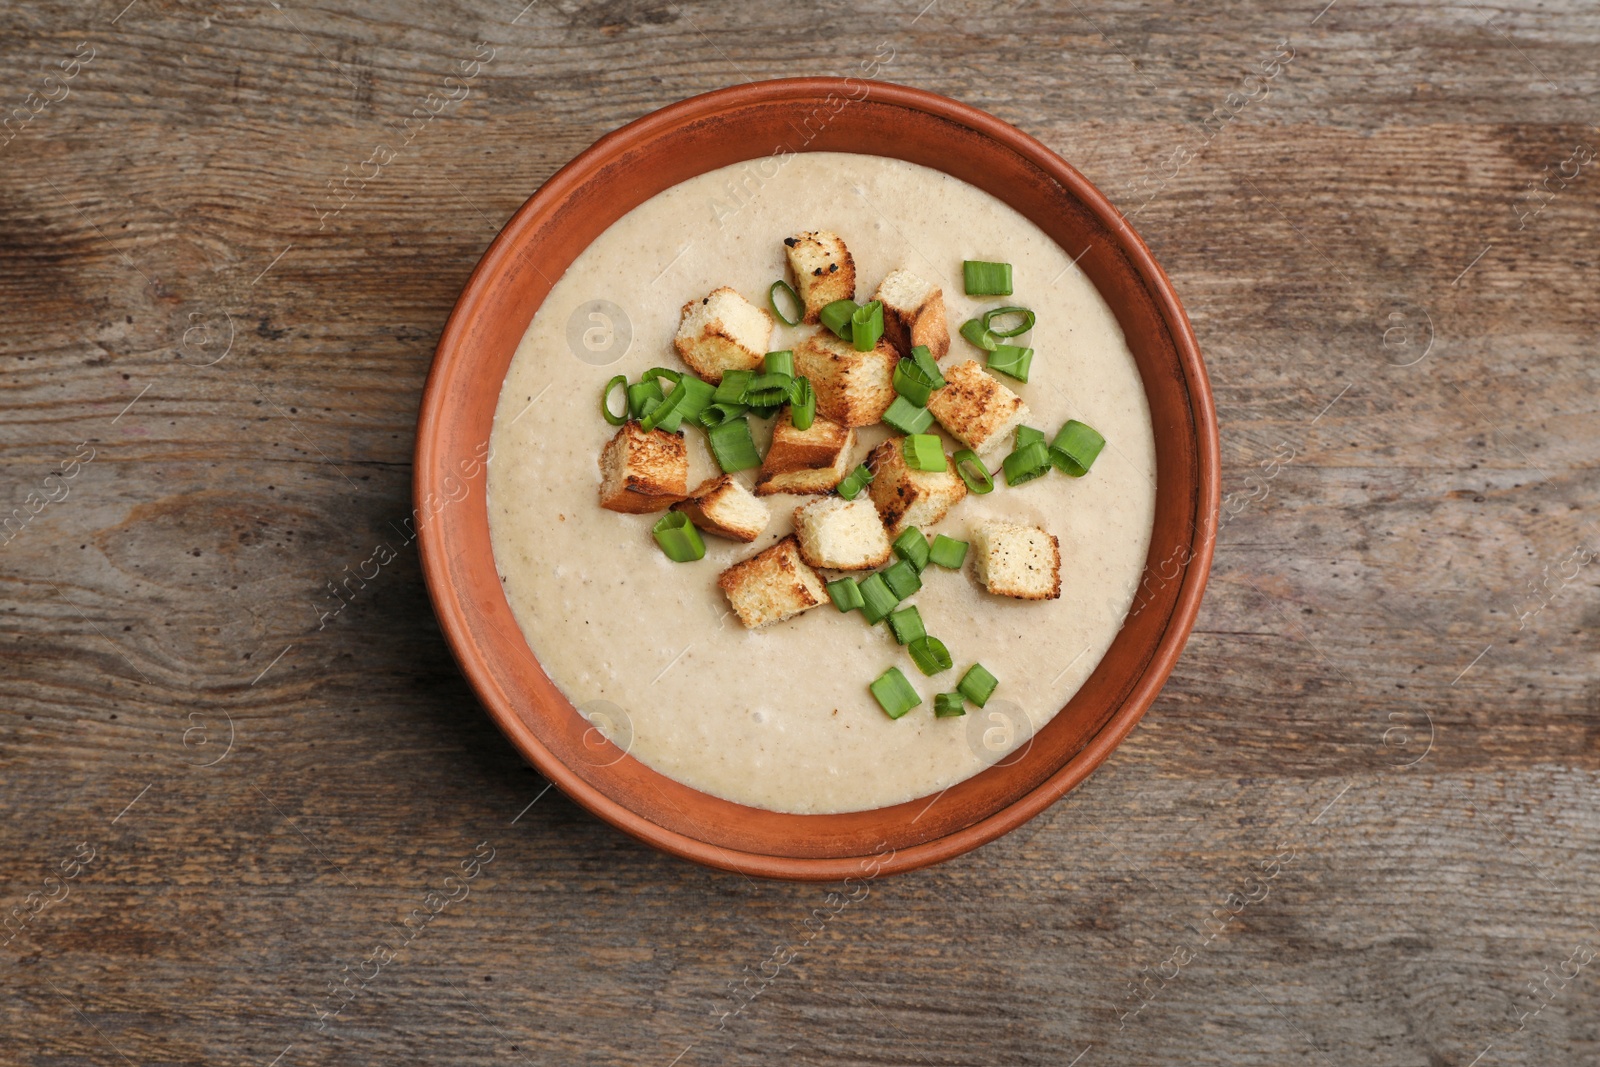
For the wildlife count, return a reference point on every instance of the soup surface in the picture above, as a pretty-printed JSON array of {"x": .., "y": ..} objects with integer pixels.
[{"x": 780, "y": 717}]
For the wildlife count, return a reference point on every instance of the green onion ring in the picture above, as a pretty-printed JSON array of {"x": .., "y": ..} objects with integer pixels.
[
  {"x": 605, "y": 400},
  {"x": 794, "y": 297}
]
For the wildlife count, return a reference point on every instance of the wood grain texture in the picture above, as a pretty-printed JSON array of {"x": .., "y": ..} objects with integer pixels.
[{"x": 1358, "y": 826}]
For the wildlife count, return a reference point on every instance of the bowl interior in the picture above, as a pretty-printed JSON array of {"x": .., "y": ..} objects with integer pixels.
[{"x": 628, "y": 167}]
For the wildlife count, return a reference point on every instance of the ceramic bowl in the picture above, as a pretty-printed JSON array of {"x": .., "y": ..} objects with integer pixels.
[{"x": 547, "y": 233}]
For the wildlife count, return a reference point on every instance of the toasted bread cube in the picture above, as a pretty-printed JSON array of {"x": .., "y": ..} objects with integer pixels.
[
  {"x": 976, "y": 409},
  {"x": 807, "y": 481},
  {"x": 853, "y": 388},
  {"x": 772, "y": 585},
  {"x": 724, "y": 507},
  {"x": 907, "y": 497},
  {"x": 845, "y": 535},
  {"x": 1010, "y": 559},
  {"x": 823, "y": 270},
  {"x": 643, "y": 470},
  {"x": 722, "y": 331},
  {"x": 913, "y": 314},
  {"x": 816, "y": 446}
]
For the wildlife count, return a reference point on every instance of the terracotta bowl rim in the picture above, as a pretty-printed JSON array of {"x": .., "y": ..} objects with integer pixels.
[{"x": 448, "y": 606}]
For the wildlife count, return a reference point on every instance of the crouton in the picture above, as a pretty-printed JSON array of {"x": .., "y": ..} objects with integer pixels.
[
  {"x": 643, "y": 471},
  {"x": 724, "y": 507},
  {"x": 976, "y": 410},
  {"x": 854, "y": 388},
  {"x": 772, "y": 586},
  {"x": 816, "y": 446},
  {"x": 807, "y": 481},
  {"x": 823, "y": 270},
  {"x": 1010, "y": 559},
  {"x": 906, "y": 497},
  {"x": 722, "y": 331},
  {"x": 845, "y": 535},
  {"x": 913, "y": 314}
]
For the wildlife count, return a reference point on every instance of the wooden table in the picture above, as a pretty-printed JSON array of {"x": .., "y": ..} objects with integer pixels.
[{"x": 1359, "y": 826}]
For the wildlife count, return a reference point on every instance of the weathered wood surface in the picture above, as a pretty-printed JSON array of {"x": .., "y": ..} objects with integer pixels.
[{"x": 1383, "y": 740}]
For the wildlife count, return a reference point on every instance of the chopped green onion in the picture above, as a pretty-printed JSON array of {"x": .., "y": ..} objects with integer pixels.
[
  {"x": 927, "y": 365},
  {"x": 698, "y": 399},
  {"x": 768, "y": 390},
  {"x": 1075, "y": 448},
  {"x": 894, "y": 694},
  {"x": 1027, "y": 435},
  {"x": 732, "y": 445},
  {"x": 866, "y": 326},
  {"x": 930, "y": 655},
  {"x": 837, "y": 315},
  {"x": 978, "y": 685},
  {"x": 901, "y": 578},
  {"x": 949, "y": 706},
  {"x": 973, "y": 331},
  {"x": 734, "y": 383},
  {"x": 678, "y": 538},
  {"x": 924, "y": 452},
  {"x": 852, "y": 484},
  {"x": 655, "y": 373},
  {"x": 906, "y": 625},
  {"x": 845, "y": 594},
  {"x": 717, "y": 414},
  {"x": 973, "y": 472},
  {"x": 779, "y": 363},
  {"x": 912, "y": 547},
  {"x": 1027, "y": 463},
  {"x": 605, "y": 400},
  {"x": 794, "y": 300},
  {"x": 1011, "y": 360},
  {"x": 1028, "y": 319},
  {"x": 911, "y": 383},
  {"x": 802, "y": 404},
  {"x": 666, "y": 415},
  {"x": 947, "y": 552},
  {"x": 907, "y": 417},
  {"x": 986, "y": 279},
  {"x": 639, "y": 393},
  {"x": 877, "y": 599}
]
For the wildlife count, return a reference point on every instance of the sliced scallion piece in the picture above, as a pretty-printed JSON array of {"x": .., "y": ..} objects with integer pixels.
[
  {"x": 845, "y": 594},
  {"x": 1011, "y": 360},
  {"x": 779, "y": 363},
  {"x": 986, "y": 279},
  {"x": 732, "y": 445},
  {"x": 1027, "y": 435},
  {"x": 666, "y": 415},
  {"x": 894, "y": 694},
  {"x": 1075, "y": 448},
  {"x": 927, "y": 365},
  {"x": 907, "y": 417},
  {"x": 836, "y": 317},
  {"x": 930, "y": 655},
  {"x": 802, "y": 404},
  {"x": 924, "y": 452},
  {"x": 852, "y": 484},
  {"x": 978, "y": 685},
  {"x": 794, "y": 302},
  {"x": 768, "y": 390},
  {"x": 973, "y": 472},
  {"x": 911, "y": 383},
  {"x": 1026, "y": 322},
  {"x": 901, "y": 578},
  {"x": 877, "y": 599},
  {"x": 605, "y": 400},
  {"x": 1027, "y": 463},
  {"x": 717, "y": 414},
  {"x": 906, "y": 624},
  {"x": 698, "y": 398},
  {"x": 949, "y": 705},
  {"x": 734, "y": 383},
  {"x": 654, "y": 374},
  {"x": 639, "y": 394},
  {"x": 678, "y": 538},
  {"x": 973, "y": 331},
  {"x": 866, "y": 326},
  {"x": 912, "y": 547},
  {"x": 947, "y": 552}
]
